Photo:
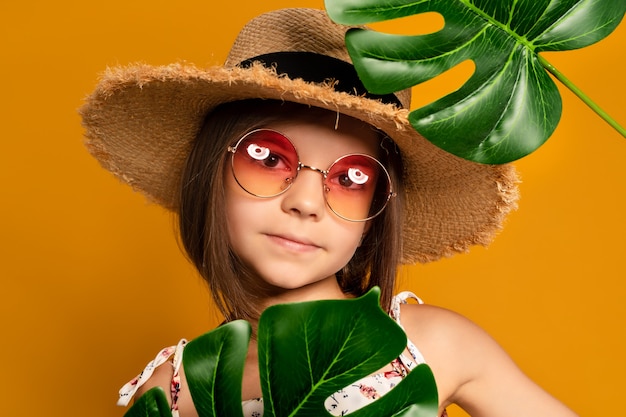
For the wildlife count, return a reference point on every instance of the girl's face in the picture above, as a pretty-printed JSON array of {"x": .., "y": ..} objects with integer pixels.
[{"x": 293, "y": 241}]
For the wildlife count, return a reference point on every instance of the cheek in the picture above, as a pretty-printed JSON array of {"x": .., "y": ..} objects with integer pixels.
[
  {"x": 245, "y": 213},
  {"x": 234, "y": 205},
  {"x": 237, "y": 208},
  {"x": 348, "y": 238},
  {"x": 235, "y": 196}
]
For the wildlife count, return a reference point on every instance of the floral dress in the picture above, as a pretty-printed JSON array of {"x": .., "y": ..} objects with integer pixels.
[{"x": 341, "y": 403}]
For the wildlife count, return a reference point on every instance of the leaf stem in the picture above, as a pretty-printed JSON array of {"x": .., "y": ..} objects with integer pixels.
[{"x": 559, "y": 76}]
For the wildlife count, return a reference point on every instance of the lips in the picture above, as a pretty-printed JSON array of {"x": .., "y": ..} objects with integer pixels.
[{"x": 294, "y": 243}]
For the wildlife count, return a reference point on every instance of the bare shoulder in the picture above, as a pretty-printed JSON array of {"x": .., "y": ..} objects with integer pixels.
[
  {"x": 443, "y": 329},
  {"x": 161, "y": 377},
  {"x": 450, "y": 343},
  {"x": 471, "y": 369},
  {"x": 424, "y": 319}
]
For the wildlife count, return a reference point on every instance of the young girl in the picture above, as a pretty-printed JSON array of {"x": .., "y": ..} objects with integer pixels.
[{"x": 292, "y": 183}]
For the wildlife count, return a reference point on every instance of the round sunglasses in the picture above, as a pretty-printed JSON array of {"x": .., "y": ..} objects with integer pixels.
[{"x": 265, "y": 163}]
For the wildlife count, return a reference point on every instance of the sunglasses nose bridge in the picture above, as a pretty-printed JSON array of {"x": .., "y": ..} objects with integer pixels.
[
  {"x": 312, "y": 168},
  {"x": 323, "y": 173}
]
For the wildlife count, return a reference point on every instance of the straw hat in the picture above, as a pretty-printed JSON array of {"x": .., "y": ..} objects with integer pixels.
[{"x": 141, "y": 120}]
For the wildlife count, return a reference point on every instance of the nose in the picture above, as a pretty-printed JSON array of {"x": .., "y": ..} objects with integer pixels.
[{"x": 305, "y": 197}]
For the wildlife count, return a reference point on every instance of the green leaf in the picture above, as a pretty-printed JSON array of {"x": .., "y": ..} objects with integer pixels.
[
  {"x": 153, "y": 403},
  {"x": 309, "y": 351},
  {"x": 510, "y": 106},
  {"x": 214, "y": 366}
]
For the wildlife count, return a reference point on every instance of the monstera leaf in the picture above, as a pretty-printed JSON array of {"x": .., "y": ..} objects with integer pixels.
[
  {"x": 510, "y": 105},
  {"x": 307, "y": 352},
  {"x": 214, "y": 369}
]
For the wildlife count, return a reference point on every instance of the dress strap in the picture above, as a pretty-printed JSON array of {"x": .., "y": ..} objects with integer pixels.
[
  {"x": 394, "y": 312},
  {"x": 130, "y": 388},
  {"x": 175, "y": 382}
]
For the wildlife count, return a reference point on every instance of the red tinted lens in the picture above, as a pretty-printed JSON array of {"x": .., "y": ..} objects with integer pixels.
[
  {"x": 357, "y": 187},
  {"x": 264, "y": 163}
]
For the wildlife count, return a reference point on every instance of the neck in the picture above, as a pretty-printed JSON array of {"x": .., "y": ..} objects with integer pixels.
[{"x": 326, "y": 289}]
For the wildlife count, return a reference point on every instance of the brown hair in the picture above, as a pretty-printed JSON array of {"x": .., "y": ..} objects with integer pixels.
[{"x": 202, "y": 213}]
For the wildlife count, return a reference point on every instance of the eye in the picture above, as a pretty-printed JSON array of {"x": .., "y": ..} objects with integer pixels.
[
  {"x": 263, "y": 154},
  {"x": 353, "y": 173},
  {"x": 357, "y": 176},
  {"x": 258, "y": 152},
  {"x": 351, "y": 177}
]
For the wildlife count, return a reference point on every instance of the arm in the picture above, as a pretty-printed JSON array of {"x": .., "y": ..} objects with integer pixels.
[{"x": 472, "y": 370}]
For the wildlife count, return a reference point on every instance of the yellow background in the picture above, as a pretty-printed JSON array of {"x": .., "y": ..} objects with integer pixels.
[{"x": 93, "y": 283}]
